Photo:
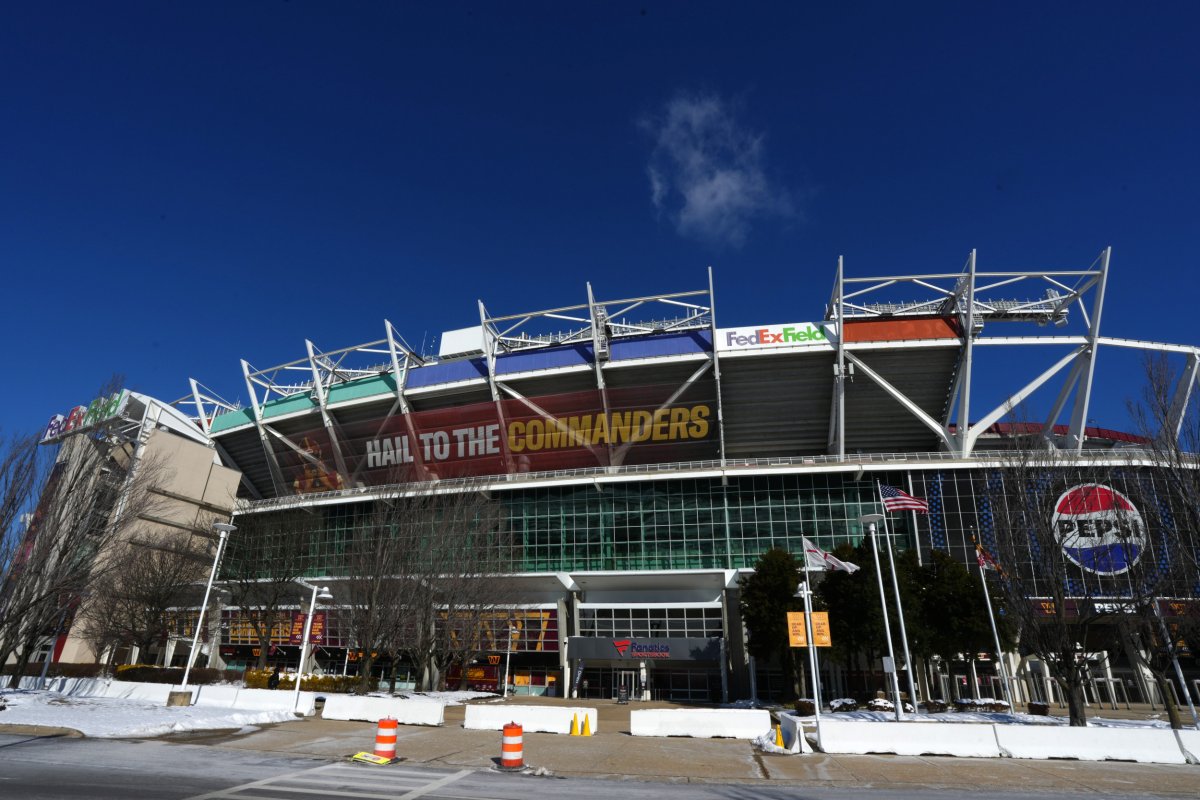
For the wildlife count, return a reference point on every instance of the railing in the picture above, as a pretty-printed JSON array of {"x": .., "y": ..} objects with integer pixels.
[{"x": 719, "y": 466}]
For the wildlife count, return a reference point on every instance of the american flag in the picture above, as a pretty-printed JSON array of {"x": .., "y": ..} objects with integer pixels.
[{"x": 896, "y": 500}]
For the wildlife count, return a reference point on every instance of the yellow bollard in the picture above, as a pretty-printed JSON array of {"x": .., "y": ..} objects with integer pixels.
[
  {"x": 778, "y": 736},
  {"x": 587, "y": 726},
  {"x": 575, "y": 724}
]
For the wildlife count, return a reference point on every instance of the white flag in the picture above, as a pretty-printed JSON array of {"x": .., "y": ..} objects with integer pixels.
[{"x": 819, "y": 559}]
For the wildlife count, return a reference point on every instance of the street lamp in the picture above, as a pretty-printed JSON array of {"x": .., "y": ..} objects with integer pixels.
[
  {"x": 508, "y": 657},
  {"x": 223, "y": 530},
  {"x": 870, "y": 520},
  {"x": 321, "y": 593}
]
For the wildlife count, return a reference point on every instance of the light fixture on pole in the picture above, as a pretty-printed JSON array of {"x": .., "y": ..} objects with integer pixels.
[
  {"x": 318, "y": 593},
  {"x": 223, "y": 530},
  {"x": 870, "y": 521}
]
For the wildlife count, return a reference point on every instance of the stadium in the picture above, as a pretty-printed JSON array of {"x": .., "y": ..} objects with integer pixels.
[{"x": 646, "y": 457}]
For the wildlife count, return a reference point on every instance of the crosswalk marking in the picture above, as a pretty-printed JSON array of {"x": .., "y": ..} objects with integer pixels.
[{"x": 370, "y": 783}]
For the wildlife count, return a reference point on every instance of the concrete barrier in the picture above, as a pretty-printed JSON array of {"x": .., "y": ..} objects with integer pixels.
[
  {"x": 967, "y": 740},
  {"x": 534, "y": 719},
  {"x": 221, "y": 695},
  {"x": 793, "y": 734},
  {"x": 136, "y": 690},
  {"x": 373, "y": 709},
  {"x": 701, "y": 723},
  {"x": 218, "y": 695},
  {"x": 1189, "y": 743},
  {"x": 276, "y": 700},
  {"x": 1147, "y": 745}
]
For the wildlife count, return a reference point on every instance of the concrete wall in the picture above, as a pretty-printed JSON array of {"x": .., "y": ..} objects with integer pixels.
[
  {"x": 372, "y": 709},
  {"x": 541, "y": 719},
  {"x": 701, "y": 723},
  {"x": 220, "y": 695}
]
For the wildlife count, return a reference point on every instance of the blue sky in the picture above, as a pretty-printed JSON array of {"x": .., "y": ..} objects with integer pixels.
[{"x": 186, "y": 185}]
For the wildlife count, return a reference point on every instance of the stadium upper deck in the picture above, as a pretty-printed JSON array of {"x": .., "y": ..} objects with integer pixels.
[{"x": 651, "y": 383}]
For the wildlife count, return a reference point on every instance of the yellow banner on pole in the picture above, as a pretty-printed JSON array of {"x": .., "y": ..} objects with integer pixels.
[{"x": 797, "y": 635}]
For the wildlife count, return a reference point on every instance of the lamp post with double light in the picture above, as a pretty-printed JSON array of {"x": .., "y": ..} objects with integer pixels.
[
  {"x": 223, "y": 530},
  {"x": 318, "y": 593}
]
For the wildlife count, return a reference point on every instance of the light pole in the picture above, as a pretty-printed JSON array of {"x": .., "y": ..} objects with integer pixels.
[
  {"x": 223, "y": 530},
  {"x": 869, "y": 520},
  {"x": 321, "y": 592},
  {"x": 508, "y": 657},
  {"x": 805, "y": 591}
]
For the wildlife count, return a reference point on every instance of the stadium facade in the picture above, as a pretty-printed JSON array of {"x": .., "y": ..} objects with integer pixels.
[{"x": 646, "y": 457}]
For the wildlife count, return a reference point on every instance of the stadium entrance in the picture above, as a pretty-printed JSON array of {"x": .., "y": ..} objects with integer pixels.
[{"x": 678, "y": 669}]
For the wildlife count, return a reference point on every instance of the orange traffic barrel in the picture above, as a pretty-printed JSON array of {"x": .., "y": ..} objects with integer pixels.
[
  {"x": 385, "y": 738},
  {"x": 512, "y": 751}
]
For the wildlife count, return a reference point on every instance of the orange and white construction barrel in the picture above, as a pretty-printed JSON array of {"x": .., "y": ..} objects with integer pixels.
[
  {"x": 512, "y": 750},
  {"x": 385, "y": 738}
]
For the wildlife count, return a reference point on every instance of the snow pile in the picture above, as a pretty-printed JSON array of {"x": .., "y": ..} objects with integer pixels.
[{"x": 116, "y": 717}]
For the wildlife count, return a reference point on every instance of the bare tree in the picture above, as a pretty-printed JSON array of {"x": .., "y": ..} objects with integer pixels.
[
  {"x": 1083, "y": 549},
  {"x": 1168, "y": 417},
  {"x": 265, "y": 559},
  {"x": 423, "y": 576},
  {"x": 132, "y": 602},
  {"x": 84, "y": 495}
]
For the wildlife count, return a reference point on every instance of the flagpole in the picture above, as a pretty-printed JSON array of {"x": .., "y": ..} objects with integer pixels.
[
  {"x": 812, "y": 653},
  {"x": 1004, "y": 684},
  {"x": 908, "y": 665},
  {"x": 870, "y": 520}
]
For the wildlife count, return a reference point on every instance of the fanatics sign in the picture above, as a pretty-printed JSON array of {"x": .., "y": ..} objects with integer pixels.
[{"x": 643, "y": 649}]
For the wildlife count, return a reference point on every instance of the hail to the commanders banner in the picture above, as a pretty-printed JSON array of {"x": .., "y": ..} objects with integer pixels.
[{"x": 619, "y": 426}]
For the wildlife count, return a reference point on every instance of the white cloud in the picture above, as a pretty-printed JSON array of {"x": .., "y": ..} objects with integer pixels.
[{"x": 707, "y": 171}]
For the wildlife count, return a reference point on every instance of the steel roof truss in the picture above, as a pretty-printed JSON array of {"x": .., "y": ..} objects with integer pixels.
[
  {"x": 272, "y": 462},
  {"x": 1013, "y": 401},
  {"x": 1183, "y": 396},
  {"x": 903, "y": 400},
  {"x": 319, "y": 389}
]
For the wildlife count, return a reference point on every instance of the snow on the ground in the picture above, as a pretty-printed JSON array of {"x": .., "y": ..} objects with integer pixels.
[{"x": 112, "y": 717}]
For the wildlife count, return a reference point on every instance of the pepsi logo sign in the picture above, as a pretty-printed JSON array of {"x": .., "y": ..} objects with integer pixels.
[{"x": 1099, "y": 529}]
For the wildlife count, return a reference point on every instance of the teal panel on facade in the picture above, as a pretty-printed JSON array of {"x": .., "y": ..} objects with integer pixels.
[
  {"x": 232, "y": 419},
  {"x": 288, "y": 405},
  {"x": 364, "y": 387}
]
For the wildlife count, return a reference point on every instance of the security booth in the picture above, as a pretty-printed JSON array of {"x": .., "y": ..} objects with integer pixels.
[{"x": 676, "y": 669}]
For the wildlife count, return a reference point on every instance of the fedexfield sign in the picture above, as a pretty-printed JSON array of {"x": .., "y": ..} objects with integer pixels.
[
  {"x": 84, "y": 417},
  {"x": 767, "y": 336}
]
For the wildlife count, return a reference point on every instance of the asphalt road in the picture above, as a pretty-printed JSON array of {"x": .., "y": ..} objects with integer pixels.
[{"x": 56, "y": 768}]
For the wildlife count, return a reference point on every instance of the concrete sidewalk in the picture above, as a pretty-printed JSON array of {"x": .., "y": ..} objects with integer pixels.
[{"x": 615, "y": 754}]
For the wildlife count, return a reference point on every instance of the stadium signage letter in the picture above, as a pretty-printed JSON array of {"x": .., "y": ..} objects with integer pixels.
[
  {"x": 661, "y": 425},
  {"x": 83, "y": 417},
  {"x": 482, "y": 440},
  {"x": 771, "y": 335}
]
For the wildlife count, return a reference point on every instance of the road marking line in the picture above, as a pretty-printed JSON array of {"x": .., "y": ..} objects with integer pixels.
[
  {"x": 436, "y": 784},
  {"x": 338, "y": 773}
]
